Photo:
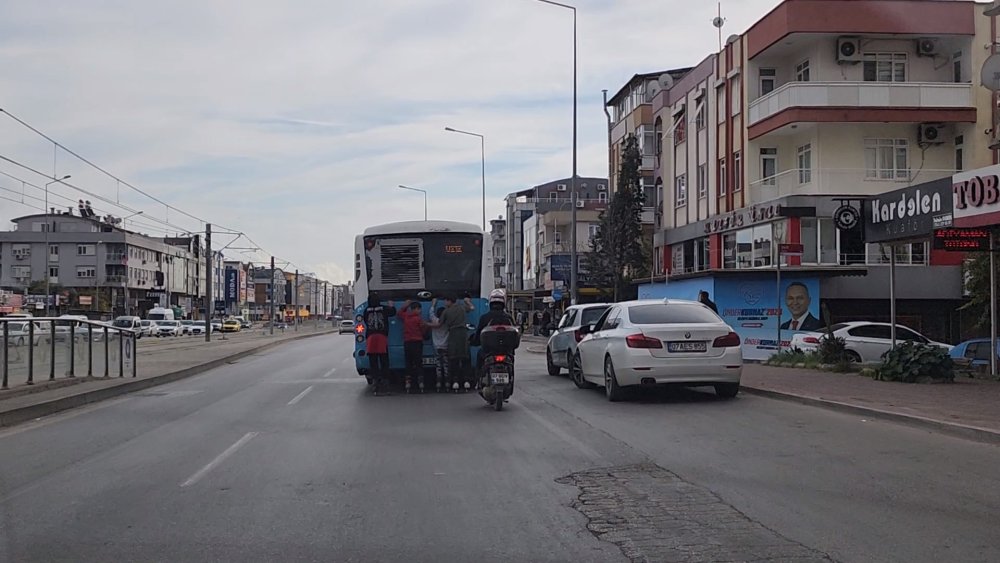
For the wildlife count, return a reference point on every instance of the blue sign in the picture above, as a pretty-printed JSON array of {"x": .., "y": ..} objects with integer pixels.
[
  {"x": 557, "y": 295},
  {"x": 220, "y": 306},
  {"x": 559, "y": 267},
  {"x": 232, "y": 285}
]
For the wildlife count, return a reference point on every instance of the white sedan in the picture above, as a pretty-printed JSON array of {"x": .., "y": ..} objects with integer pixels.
[
  {"x": 866, "y": 341},
  {"x": 653, "y": 342}
]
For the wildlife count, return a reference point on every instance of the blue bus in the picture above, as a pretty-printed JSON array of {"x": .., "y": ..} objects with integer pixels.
[{"x": 411, "y": 259}]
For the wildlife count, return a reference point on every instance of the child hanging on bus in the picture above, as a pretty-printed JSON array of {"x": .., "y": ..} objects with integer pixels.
[
  {"x": 439, "y": 336},
  {"x": 413, "y": 343},
  {"x": 376, "y": 319}
]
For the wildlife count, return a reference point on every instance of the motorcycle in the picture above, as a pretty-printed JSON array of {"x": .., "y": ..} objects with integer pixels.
[{"x": 496, "y": 382}]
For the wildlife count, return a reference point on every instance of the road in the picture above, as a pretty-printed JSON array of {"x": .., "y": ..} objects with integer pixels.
[{"x": 284, "y": 456}]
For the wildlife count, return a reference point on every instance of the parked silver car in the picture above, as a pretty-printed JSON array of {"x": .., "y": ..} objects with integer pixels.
[{"x": 562, "y": 344}]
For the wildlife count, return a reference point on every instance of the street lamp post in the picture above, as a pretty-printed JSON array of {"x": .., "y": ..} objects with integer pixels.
[
  {"x": 482, "y": 147},
  {"x": 48, "y": 227},
  {"x": 401, "y": 186},
  {"x": 575, "y": 265},
  {"x": 124, "y": 219}
]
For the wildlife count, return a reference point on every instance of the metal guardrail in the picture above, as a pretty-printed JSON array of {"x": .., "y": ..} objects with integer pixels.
[{"x": 36, "y": 342}]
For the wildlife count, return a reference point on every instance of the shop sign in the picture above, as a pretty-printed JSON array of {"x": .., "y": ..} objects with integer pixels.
[
  {"x": 976, "y": 197},
  {"x": 743, "y": 217},
  {"x": 962, "y": 240},
  {"x": 911, "y": 212}
]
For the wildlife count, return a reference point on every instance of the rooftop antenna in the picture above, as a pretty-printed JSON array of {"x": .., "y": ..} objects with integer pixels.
[{"x": 718, "y": 21}]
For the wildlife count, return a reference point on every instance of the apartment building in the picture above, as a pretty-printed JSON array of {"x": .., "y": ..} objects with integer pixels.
[
  {"x": 539, "y": 232},
  {"x": 498, "y": 233},
  {"x": 778, "y": 137},
  {"x": 115, "y": 271},
  {"x": 268, "y": 282}
]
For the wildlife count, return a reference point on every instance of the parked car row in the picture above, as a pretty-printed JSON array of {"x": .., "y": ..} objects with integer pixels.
[
  {"x": 646, "y": 343},
  {"x": 865, "y": 341}
]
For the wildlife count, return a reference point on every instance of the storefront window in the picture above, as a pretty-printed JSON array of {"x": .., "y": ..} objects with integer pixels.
[
  {"x": 744, "y": 248},
  {"x": 677, "y": 259},
  {"x": 809, "y": 236},
  {"x": 704, "y": 256},
  {"x": 762, "y": 247},
  {"x": 906, "y": 253},
  {"x": 852, "y": 247},
  {"x": 729, "y": 251},
  {"x": 827, "y": 241}
]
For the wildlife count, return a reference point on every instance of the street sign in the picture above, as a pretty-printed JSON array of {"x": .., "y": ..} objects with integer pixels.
[
  {"x": 962, "y": 240},
  {"x": 790, "y": 249},
  {"x": 556, "y": 295},
  {"x": 86, "y": 300},
  {"x": 129, "y": 356}
]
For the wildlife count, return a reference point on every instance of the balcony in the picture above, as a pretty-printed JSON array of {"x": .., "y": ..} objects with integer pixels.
[
  {"x": 913, "y": 96},
  {"x": 837, "y": 181},
  {"x": 551, "y": 248},
  {"x": 648, "y": 163},
  {"x": 115, "y": 257}
]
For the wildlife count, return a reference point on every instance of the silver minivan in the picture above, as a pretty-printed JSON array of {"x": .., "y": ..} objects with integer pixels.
[{"x": 562, "y": 344}]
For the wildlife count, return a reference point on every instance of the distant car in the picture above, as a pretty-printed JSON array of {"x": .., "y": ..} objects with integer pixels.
[
  {"x": 216, "y": 325},
  {"x": 562, "y": 344},
  {"x": 231, "y": 325},
  {"x": 18, "y": 332},
  {"x": 168, "y": 328},
  {"x": 653, "y": 342},
  {"x": 866, "y": 341},
  {"x": 196, "y": 327},
  {"x": 186, "y": 326},
  {"x": 974, "y": 353},
  {"x": 147, "y": 328},
  {"x": 345, "y": 326}
]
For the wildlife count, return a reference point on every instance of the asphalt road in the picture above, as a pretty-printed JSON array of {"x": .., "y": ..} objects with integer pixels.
[{"x": 283, "y": 456}]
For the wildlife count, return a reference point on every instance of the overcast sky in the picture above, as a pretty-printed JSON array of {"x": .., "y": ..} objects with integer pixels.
[{"x": 294, "y": 121}]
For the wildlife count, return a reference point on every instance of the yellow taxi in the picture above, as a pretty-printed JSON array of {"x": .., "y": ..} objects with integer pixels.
[{"x": 231, "y": 325}]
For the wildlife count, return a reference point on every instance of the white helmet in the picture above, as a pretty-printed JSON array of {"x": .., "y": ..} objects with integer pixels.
[{"x": 498, "y": 296}]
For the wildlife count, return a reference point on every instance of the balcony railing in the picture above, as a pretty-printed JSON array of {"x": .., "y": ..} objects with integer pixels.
[
  {"x": 838, "y": 181},
  {"x": 550, "y": 248},
  {"x": 862, "y": 95},
  {"x": 115, "y": 256}
]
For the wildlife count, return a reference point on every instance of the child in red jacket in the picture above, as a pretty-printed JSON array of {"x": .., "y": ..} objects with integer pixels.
[{"x": 414, "y": 328}]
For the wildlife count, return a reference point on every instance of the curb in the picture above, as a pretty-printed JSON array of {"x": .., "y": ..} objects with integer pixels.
[
  {"x": 954, "y": 429},
  {"x": 31, "y": 412}
]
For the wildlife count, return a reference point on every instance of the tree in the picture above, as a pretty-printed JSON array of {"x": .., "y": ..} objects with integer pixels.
[
  {"x": 976, "y": 272},
  {"x": 617, "y": 252}
]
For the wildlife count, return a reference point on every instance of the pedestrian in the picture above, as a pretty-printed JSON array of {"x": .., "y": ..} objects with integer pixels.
[
  {"x": 454, "y": 319},
  {"x": 413, "y": 343},
  {"x": 704, "y": 300},
  {"x": 439, "y": 337},
  {"x": 376, "y": 319},
  {"x": 536, "y": 321},
  {"x": 546, "y": 321}
]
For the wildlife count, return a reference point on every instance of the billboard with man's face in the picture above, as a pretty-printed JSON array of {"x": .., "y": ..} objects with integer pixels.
[{"x": 753, "y": 308}]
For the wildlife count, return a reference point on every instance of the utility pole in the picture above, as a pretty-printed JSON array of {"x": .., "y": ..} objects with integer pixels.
[
  {"x": 208, "y": 282},
  {"x": 295, "y": 300},
  {"x": 270, "y": 290}
]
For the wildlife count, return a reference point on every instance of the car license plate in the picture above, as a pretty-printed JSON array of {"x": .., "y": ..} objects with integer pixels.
[
  {"x": 687, "y": 346},
  {"x": 431, "y": 361},
  {"x": 499, "y": 378}
]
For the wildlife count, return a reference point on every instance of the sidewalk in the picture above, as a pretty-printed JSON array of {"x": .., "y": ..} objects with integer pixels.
[
  {"x": 158, "y": 363},
  {"x": 968, "y": 407}
]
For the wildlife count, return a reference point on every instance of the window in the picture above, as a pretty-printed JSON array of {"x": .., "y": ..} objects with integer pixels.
[
  {"x": 906, "y": 253},
  {"x": 553, "y": 196},
  {"x": 592, "y": 230},
  {"x": 20, "y": 271},
  {"x": 871, "y": 331},
  {"x": 827, "y": 241},
  {"x": 702, "y": 256},
  {"x": 680, "y": 128},
  {"x": 804, "y": 155},
  {"x": 729, "y": 251},
  {"x": 557, "y": 237},
  {"x": 658, "y": 132},
  {"x": 85, "y": 272},
  {"x": 802, "y": 71},
  {"x": 84, "y": 250},
  {"x": 903, "y": 333},
  {"x": 767, "y": 80},
  {"x": 591, "y": 314},
  {"x": 680, "y": 191},
  {"x": 852, "y": 247},
  {"x": 53, "y": 271},
  {"x": 700, "y": 117},
  {"x": 762, "y": 246},
  {"x": 744, "y": 248},
  {"x": 884, "y": 67},
  {"x": 887, "y": 159},
  {"x": 602, "y": 197},
  {"x": 720, "y": 104},
  {"x": 670, "y": 313},
  {"x": 959, "y": 153},
  {"x": 648, "y": 139},
  {"x": 768, "y": 166},
  {"x": 956, "y": 66},
  {"x": 53, "y": 253},
  {"x": 722, "y": 176},
  {"x": 702, "y": 181},
  {"x": 567, "y": 319},
  {"x": 737, "y": 100},
  {"x": 809, "y": 237},
  {"x": 737, "y": 171}
]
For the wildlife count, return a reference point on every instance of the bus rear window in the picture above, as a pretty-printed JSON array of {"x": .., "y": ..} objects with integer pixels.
[{"x": 436, "y": 262}]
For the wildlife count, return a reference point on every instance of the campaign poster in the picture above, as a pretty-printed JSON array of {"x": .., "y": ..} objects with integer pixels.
[{"x": 752, "y": 307}]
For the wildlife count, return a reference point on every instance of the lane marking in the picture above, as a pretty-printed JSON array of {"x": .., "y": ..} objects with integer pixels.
[
  {"x": 219, "y": 459},
  {"x": 301, "y": 395},
  {"x": 331, "y": 372},
  {"x": 583, "y": 448}
]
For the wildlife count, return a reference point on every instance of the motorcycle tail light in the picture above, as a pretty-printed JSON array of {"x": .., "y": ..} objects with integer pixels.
[{"x": 499, "y": 358}]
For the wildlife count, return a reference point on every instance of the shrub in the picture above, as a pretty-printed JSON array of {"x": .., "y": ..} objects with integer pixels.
[
  {"x": 912, "y": 362},
  {"x": 787, "y": 358},
  {"x": 832, "y": 350}
]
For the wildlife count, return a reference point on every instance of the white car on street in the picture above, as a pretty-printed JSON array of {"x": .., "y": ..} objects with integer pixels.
[
  {"x": 562, "y": 344},
  {"x": 653, "y": 342},
  {"x": 168, "y": 328},
  {"x": 866, "y": 341},
  {"x": 18, "y": 332}
]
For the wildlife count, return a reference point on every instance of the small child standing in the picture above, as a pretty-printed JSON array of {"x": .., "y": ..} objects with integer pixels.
[
  {"x": 413, "y": 343},
  {"x": 439, "y": 336}
]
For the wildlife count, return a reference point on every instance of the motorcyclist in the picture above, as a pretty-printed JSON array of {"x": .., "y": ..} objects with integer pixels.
[{"x": 497, "y": 315}]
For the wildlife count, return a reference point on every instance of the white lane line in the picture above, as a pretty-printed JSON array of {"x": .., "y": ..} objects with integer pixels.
[
  {"x": 219, "y": 459},
  {"x": 331, "y": 372},
  {"x": 301, "y": 395}
]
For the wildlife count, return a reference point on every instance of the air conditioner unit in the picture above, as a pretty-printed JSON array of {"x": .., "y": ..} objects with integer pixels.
[
  {"x": 579, "y": 203},
  {"x": 561, "y": 187},
  {"x": 848, "y": 50},
  {"x": 927, "y": 47},
  {"x": 932, "y": 134},
  {"x": 601, "y": 187}
]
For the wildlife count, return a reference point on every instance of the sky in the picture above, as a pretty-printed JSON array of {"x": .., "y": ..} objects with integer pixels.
[{"x": 294, "y": 122}]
